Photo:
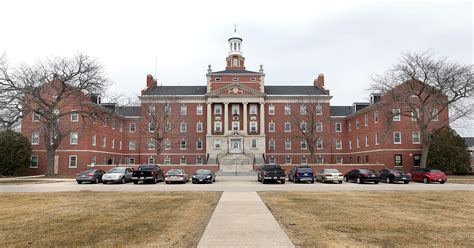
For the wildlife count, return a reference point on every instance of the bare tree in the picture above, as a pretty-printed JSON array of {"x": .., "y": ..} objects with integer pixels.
[
  {"x": 430, "y": 90},
  {"x": 47, "y": 87},
  {"x": 309, "y": 122}
]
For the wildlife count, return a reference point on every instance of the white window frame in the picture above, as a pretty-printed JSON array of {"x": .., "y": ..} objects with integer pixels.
[
  {"x": 357, "y": 124},
  {"x": 253, "y": 126},
  {"x": 182, "y": 160},
  {"x": 357, "y": 142},
  {"x": 319, "y": 109},
  {"x": 304, "y": 144},
  {"x": 75, "y": 161},
  {"x": 31, "y": 161},
  {"x": 350, "y": 144},
  {"x": 287, "y": 110},
  {"x": 413, "y": 138},
  {"x": 151, "y": 127},
  {"x": 94, "y": 140},
  {"x": 199, "y": 127},
  {"x": 338, "y": 144},
  {"x": 377, "y": 141},
  {"x": 400, "y": 137},
  {"x": 151, "y": 160},
  {"x": 253, "y": 144},
  {"x": 133, "y": 127},
  {"x": 183, "y": 127},
  {"x": 338, "y": 127},
  {"x": 303, "y": 109},
  {"x": 271, "y": 144},
  {"x": 35, "y": 136},
  {"x": 339, "y": 160},
  {"x": 184, "y": 110},
  {"x": 198, "y": 160},
  {"x": 396, "y": 115},
  {"x": 272, "y": 160},
  {"x": 271, "y": 127},
  {"x": 303, "y": 126},
  {"x": 366, "y": 141},
  {"x": 151, "y": 144},
  {"x": 167, "y": 144},
  {"x": 113, "y": 143},
  {"x": 235, "y": 109},
  {"x": 319, "y": 127},
  {"x": 304, "y": 160},
  {"x": 235, "y": 125},
  {"x": 287, "y": 127},
  {"x": 132, "y": 145},
  {"x": 217, "y": 144},
  {"x": 319, "y": 144},
  {"x": 74, "y": 116},
  {"x": 151, "y": 109},
  {"x": 366, "y": 120},
  {"x": 199, "y": 144},
  {"x": 271, "y": 109},
  {"x": 434, "y": 114},
  {"x": 35, "y": 117},
  {"x": 287, "y": 160},
  {"x": 73, "y": 138},
  {"x": 167, "y": 160},
  {"x": 104, "y": 141},
  {"x": 120, "y": 145},
  {"x": 181, "y": 142},
  {"x": 199, "y": 109},
  {"x": 253, "y": 109},
  {"x": 217, "y": 126},
  {"x": 415, "y": 114},
  {"x": 376, "y": 117},
  {"x": 131, "y": 160},
  {"x": 288, "y": 144},
  {"x": 218, "y": 109}
]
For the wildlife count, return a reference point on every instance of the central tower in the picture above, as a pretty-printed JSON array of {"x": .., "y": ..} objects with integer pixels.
[{"x": 235, "y": 60}]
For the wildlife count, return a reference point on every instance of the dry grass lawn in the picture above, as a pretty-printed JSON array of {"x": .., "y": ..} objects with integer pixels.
[
  {"x": 377, "y": 219},
  {"x": 469, "y": 179},
  {"x": 163, "y": 219}
]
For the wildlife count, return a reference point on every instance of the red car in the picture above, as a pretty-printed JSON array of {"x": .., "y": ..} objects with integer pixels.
[{"x": 428, "y": 175}]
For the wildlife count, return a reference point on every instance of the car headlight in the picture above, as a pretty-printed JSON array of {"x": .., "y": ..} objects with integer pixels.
[
  {"x": 194, "y": 176},
  {"x": 209, "y": 176}
]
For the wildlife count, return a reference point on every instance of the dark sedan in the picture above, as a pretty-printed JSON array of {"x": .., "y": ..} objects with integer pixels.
[
  {"x": 203, "y": 176},
  {"x": 90, "y": 176},
  {"x": 301, "y": 174},
  {"x": 394, "y": 175},
  {"x": 362, "y": 176}
]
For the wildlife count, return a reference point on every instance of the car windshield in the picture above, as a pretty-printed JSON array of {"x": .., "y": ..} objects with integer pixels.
[
  {"x": 433, "y": 170},
  {"x": 305, "y": 170},
  {"x": 146, "y": 167},
  {"x": 89, "y": 171},
  {"x": 366, "y": 171},
  {"x": 203, "y": 172},
  {"x": 117, "y": 170},
  {"x": 331, "y": 171},
  {"x": 174, "y": 172},
  {"x": 272, "y": 167}
]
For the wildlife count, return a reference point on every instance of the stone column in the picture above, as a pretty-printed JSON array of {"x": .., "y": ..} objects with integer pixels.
[
  {"x": 226, "y": 117},
  {"x": 209, "y": 118},
  {"x": 245, "y": 118},
  {"x": 262, "y": 118}
]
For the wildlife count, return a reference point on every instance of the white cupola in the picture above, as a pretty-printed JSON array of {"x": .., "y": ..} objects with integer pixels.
[{"x": 235, "y": 42}]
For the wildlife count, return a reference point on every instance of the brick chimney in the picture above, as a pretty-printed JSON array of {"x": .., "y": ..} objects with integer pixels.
[
  {"x": 150, "y": 82},
  {"x": 319, "y": 82}
]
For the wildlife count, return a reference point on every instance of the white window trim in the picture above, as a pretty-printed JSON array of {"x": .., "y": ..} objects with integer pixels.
[
  {"x": 33, "y": 117},
  {"x": 288, "y": 141},
  {"x": 180, "y": 145},
  {"x": 270, "y": 142},
  {"x": 287, "y": 110},
  {"x": 33, "y": 138},
  {"x": 397, "y": 117},
  {"x": 288, "y": 130},
  {"x": 434, "y": 114},
  {"x": 197, "y": 127},
  {"x": 238, "y": 125},
  {"x": 271, "y": 124},
  {"x": 94, "y": 140},
  {"x": 181, "y": 125},
  {"x": 253, "y": 125},
  {"x": 366, "y": 120},
  {"x": 217, "y": 142},
  {"x": 130, "y": 142},
  {"x": 199, "y": 110},
  {"x": 271, "y": 109},
  {"x": 130, "y": 127},
  {"x": 252, "y": 142},
  {"x": 218, "y": 107},
  {"x": 319, "y": 109},
  {"x": 340, "y": 127},
  {"x": 69, "y": 164},
  {"x": 71, "y": 137},
  {"x": 253, "y": 109},
  {"x": 77, "y": 115},
  {"x": 183, "y": 110},
  {"x": 377, "y": 141},
  {"x": 181, "y": 161},
  {"x": 400, "y": 142},
  {"x": 413, "y": 140},
  {"x": 305, "y": 146},
  {"x": 202, "y": 144},
  {"x": 340, "y": 146},
  {"x": 376, "y": 117},
  {"x": 37, "y": 161}
]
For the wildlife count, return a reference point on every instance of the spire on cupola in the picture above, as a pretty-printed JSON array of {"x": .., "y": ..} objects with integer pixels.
[{"x": 235, "y": 60}]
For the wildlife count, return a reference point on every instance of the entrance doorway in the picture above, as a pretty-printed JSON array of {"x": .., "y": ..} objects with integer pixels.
[{"x": 235, "y": 146}]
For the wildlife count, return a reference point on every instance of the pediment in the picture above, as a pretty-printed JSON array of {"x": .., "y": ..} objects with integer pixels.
[{"x": 235, "y": 90}]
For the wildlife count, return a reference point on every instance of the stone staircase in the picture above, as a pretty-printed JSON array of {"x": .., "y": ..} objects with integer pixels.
[{"x": 236, "y": 163}]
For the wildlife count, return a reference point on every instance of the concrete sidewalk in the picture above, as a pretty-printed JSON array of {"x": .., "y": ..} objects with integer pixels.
[{"x": 242, "y": 219}]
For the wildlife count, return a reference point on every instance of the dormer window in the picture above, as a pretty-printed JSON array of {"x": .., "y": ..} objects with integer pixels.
[
  {"x": 235, "y": 79},
  {"x": 218, "y": 79}
]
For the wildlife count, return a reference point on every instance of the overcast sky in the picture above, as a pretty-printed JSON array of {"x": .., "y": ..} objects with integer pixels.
[{"x": 348, "y": 41}]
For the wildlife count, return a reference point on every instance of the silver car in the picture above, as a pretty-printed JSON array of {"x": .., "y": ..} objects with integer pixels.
[
  {"x": 176, "y": 175},
  {"x": 117, "y": 175},
  {"x": 329, "y": 175}
]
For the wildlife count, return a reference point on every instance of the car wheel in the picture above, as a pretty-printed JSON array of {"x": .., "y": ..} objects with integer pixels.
[
  {"x": 294, "y": 180},
  {"x": 79, "y": 182},
  {"x": 425, "y": 180},
  {"x": 407, "y": 182},
  {"x": 135, "y": 182},
  {"x": 96, "y": 180},
  {"x": 345, "y": 179},
  {"x": 155, "y": 180},
  {"x": 283, "y": 181},
  {"x": 340, "y": 182},
  {"x": 194, "y": 182},
  {"x": 358, "y": 180},
  {"x": 388, "y": 180},
  {"x": 442, "y": 182},
  {"x": 376, "y": 182},
  {"x": 323, "y": 180},
  {"x": 263, "y": 181},
  {"x": 123, "y": 180},
  {"x": 258, "y": 179},
  {"x": 104, "y": 182},
  {"x": 312, "y": 181}
]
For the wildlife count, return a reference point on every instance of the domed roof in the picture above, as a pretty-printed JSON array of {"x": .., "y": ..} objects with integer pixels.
[{"x": 235, "y": 35}]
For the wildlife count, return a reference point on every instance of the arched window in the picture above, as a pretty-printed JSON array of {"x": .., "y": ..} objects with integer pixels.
[{"x": 235, "y": 62}]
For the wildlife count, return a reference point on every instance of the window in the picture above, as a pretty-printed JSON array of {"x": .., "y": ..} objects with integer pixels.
[
  {"x": 133, "y": 127},
  {"x": 121, "y": 127},
  {"x": 415, "y": 114},
  {"x": 320, "y": 159},
  {"x": 199, "y": 144},
  {"x": 338, "y": 144},
  {"x": 182, "y": 160},
  {"x": 35, "y": 117},
  {"x": 94, "y": 139},
  {"x": 287, "y": 160},
  {"x": 217, "y": 144},
  {"x": 151, "y": 109},
  {"x": 167, "y": 160},
  {"x": 253, "y": 109},
  {"x": 288, "y": 144},
  {"x": 113, "y": 123},
  {"x": 131, "y": 145},
  {"x": 350, "y": 160},
  {"x": 319, "y": 144},
  {"x": 217, "y": 126},
  {"x": 182, "y": 144},
  {"x": 415, "y": 137},
  {"x": 199, "y": 127},
  {"x": 168, "y": 109},
  {"x": 396, "y": 115},
  {"x": 253, "y": 144},
  {"x": 287, "y": 127},
  {"x": 338, "y": 160},
  {"x": 287, "y": 110},
  {"x": 151, "y": 144},
  {"x": 131, "y": 160},
  {"x": 106, "y": 119},
  {"x": 151, "y": 127},
  {"x": 167, "y": 144},
  {"x": 271, "y": 109},
  {"x": 304, "y": 144},
  {"x": 338, "y": 127},
  {"x": 236, "y": 63},
  {"x": 272, "y": 160},
  {"x": 377, "y": 142},
  {"x": 350, "y": 144},
  {"x": 34, "y": 161},
  {"x": 434, "y": 115},
  {"x": 113, "y": 143},
  {"x": 94, "y": 160},
  {"x": 183, "y": 127},
  {"x": 73, "y": 138},
  {"x": 199, "y": 160},
  {"x": 303, "y": 126},
  {"x": 199, "y": 109},
  {"x": 235, "y": 125},
  {"x": 73, "y": 161},
  {"x": 397, "y": 137},
  {"x": 366, "y": 120},
  {"x": 271, "y": 144},
  {"x": 398, "y": 160},
  {"x": 319, "y": 109},
  {"x": 218, "y": 79},
  {"x": 271, "y": 127},
  {"x": 357, "y": 143},
  {"x": 217, "y": 109},
  {"x": 366, "y": 141},
  {"x": 367, "y": 159},
  {"x": 253, "y": 126},
  {"x": 416, "y": 159},
  {"x": 151, "y": 160},
  {"x": 120, "y": 145},
  {"x": 302, "y": 109},
  {"x": 235, "y": 109},
  {"x": 304, "y": 160},
  {"x": 319, "y": 127},
  {"x": 349, "y": 127},
  {"x": 74, "y": 116},
  {"x": 168, "y": 127},
  {"x": 104, "y": 141},
  {"x": 94, "y": 118},
  {"x": 357, "y": 124},
  {"x": 184, "y": 110},
  {"x": 35, "y": 138},
  {"x": 376, "y": 117}
]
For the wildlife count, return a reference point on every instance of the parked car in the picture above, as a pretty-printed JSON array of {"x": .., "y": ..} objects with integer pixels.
[
  {"x": 271, "y": 172},
  {"x": 176, "y": 175},
  {"x": 426, "y": 175},
  {"x": 362, "y": 176},
  {"x": 151, "y": 173},
  {"x": 394, "y": 175},
  {"x": 91, "y": 176},
  {"x": 203, "y": 176},
  {"x": 301, "y": 174},
  {"x": 329, "y": 175},
  {"x": 117, "y": 175}
]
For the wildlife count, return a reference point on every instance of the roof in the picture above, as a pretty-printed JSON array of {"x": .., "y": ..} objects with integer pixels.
[
  {"x": 469, "y": 141},
  {"x": 129, "y": 110},
  {"x": 293, "y": 90},
  {"x": 341, "y": 110},
  {"x": 235, "y": 72},
  {"x": 176, "y": 90}
]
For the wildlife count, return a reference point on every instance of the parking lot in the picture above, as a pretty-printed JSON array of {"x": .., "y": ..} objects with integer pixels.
[{"x": 231, "y": 184}]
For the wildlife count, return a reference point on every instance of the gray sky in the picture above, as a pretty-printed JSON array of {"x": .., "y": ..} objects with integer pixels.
[{"x": 348, "y": 41}]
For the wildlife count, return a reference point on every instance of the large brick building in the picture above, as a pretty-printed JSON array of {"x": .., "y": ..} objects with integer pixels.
[{"x": 232, "y": 123}]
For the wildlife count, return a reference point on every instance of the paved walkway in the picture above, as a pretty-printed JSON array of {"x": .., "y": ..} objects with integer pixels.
[{"x": 242, "y": 219}]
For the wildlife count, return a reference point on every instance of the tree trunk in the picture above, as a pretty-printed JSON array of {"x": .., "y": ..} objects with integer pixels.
[
  {"x": 424, "y": 155},
  {"x": 50, "y": 165}
]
